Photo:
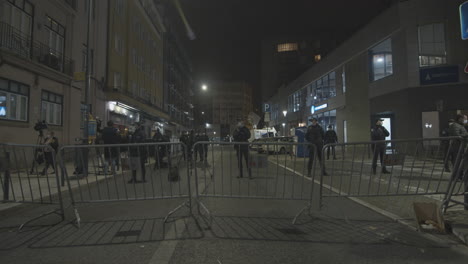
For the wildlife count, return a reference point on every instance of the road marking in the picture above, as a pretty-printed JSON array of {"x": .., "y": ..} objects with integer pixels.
[
  {"x": 166, "y": 248},
  {"x": 383, "y": 212}
]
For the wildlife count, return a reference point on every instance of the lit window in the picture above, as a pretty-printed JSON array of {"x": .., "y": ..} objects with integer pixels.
[
  {"x": 13, "y": 100},
  {"x": 318, "y": 57},
  {"x": 432, "y": 45},
  {"x": 52, "y": 108},
  {"x": 287, "y": 47},
  {"x": 381, "y": 60},
  {"x": 117, "y": 80}
]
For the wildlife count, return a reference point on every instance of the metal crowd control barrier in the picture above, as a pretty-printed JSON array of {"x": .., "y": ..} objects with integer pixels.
[
  {"x": 391, "y": 168},
  {"x": 257, "y": 176},
  {"x": 459, "y": 181},
  {"x": 27, "y": 177},
  {"x": 125, "y": 172}
]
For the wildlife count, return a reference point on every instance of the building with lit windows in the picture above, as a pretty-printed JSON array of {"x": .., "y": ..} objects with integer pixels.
[
  {"x": 231, "y": 101},
  {"x": 42, "y": 48},
  {"x": 405, "y": 66},
  {"x": 134, "y": 87},
  {"x": 285, "y": 58}
]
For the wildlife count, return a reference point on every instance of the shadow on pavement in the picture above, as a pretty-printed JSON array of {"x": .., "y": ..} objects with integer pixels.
[
  {"x": 317, "y": 230},
  {"x": 114, "y": 232}
]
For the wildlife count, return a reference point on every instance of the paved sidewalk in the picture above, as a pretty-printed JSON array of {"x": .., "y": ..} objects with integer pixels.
[{"x": 383, "y": 190}]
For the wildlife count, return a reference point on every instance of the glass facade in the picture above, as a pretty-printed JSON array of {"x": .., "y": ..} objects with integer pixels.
[
  {"x": 325, "y": 119},
  {"x": 381, "y": 60}
]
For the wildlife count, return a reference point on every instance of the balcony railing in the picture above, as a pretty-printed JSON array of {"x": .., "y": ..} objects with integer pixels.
[{"x": 15, "y": 41}]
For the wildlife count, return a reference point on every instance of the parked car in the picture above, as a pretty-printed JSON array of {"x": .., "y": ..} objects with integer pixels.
[
  {"x": 280, "y": 148},
  {"x": 276, "y": 149},
  {"x": 255, "y": 146}
]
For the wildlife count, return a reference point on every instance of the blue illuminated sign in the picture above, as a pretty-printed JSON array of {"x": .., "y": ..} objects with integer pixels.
[
  {"x": 2, "y": 111},
  {"x": 464, "y": 20},
  {"x": 316, "y": 108}
]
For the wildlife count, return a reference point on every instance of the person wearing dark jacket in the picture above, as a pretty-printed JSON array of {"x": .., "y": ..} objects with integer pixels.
[
  {"x": 242, "y": 134},
  {"x": 378, "y": 133},
  {"x": 50, "y": 152},
  {"x": 110, "y": 135},
  {"x": 331, "y": 138},
  {"x": 138, "y": 154},
  {"x": 315, "y": 136},
  {"x": 161, "y": 150},
  {"x": 204, "y": 137},
  {"x": 445, "y": 145}
]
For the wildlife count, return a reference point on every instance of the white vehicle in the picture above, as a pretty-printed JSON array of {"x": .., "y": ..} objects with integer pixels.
[{"x": 262, "y": 133}]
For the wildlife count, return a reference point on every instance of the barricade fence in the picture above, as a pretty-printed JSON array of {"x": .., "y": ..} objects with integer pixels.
[
  {"x": 270, "y": 171},
  {"x": 459, "y": 186},
  {"x": 246, "y": 170},
  {"x": 126, "y": 172},
  {"x": 393, "y": 168},
  {"x": 30, "y": 175}
]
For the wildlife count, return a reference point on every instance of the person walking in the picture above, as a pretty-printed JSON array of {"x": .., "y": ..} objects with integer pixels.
[
  {"x": 50, "y": 151},
  {"x": 184, "y": 139},
  {"x": 331, "y": 138},
  {"x": 242, "y": 134},
  {"x": 446, "y": 147},
  {"x": 379, "y": 133},
  {"x": 110, "y": 135},
  {"x": 138, "y": 154},
  {"x": 314, "y": 136}
]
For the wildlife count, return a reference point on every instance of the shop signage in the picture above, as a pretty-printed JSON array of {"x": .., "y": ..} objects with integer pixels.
[
  {"x": 464, "y": 20},
  {"x": 316, "y": 108},
  {"x": 437, "y": 75}
]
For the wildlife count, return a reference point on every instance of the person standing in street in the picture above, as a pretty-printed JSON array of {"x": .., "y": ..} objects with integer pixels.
[
  {"x": 457, "y": 129},
  {"x": 379, "y": 133},
  {"x": 242, "y": 134},
  {"x": 160, "y": 150},
  {"x": 331, "y": 138},
  {"x": 204, "y": 137},
  {"x": 49, "y": 152},
  {"x": 445, "y": 145},
  {"x": 138, "y": 154},
  {"x": 110, "y": 135},
  {"x": 314, "y": 136}
]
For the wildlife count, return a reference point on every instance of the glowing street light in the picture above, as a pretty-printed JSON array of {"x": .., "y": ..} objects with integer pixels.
[
  {"x": 202, "y": 113},
  {"x": 285, "y": 113},
  {"x": 204, "y": 87}
]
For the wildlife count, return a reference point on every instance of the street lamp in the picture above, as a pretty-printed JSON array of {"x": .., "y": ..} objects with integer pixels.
[
  {"x": 202, "y": 113},
  {"x": 204, "y": 87},
  {"x": 285, "y": 113}
]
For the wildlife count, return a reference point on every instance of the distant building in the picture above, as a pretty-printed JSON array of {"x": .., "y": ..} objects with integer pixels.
[
  {"x": 230, "y": 101},
  {"x": 405, "y": 66},
  {"x": 285, "y": 58}
]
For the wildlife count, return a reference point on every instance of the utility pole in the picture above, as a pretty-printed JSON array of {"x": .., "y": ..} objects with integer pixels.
[{"x": 88, "y": 73}]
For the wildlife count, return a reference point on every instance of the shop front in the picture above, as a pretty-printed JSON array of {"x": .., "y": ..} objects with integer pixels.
[{"x": 324, "y": 116}]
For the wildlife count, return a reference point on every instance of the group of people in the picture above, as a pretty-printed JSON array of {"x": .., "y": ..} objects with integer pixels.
[
  {"x": 200, "y": 152},
  {"x": 317, "y": 138}
]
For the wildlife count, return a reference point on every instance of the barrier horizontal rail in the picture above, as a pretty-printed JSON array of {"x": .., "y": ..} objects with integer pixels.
[
  {"x": 26, "y": 177},
  {"x": 126, "y": 172},
  {"x": 257, "y": 175},
  {"x": 390, "y": 168},
  {"x": 459, "y": 181}
]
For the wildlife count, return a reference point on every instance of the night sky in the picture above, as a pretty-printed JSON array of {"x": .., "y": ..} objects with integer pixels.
[{"x": 229, "y": 32}]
